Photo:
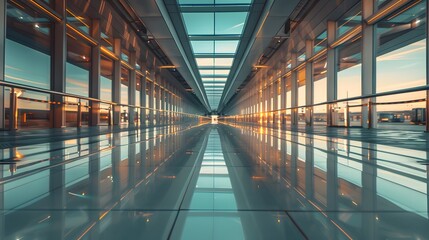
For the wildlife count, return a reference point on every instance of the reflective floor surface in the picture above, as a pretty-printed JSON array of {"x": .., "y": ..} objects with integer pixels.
[{"x": 213, "y": 182}]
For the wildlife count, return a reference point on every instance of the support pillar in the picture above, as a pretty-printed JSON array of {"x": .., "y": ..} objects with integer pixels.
[
  {"x": 331, "y": 73},
  {"x": 94, "y": 82},
  {"x": 116, "y": 87},
  {"x": 369, "y": 113},
  {"x": 151, "y": 98},
  {"x": 309, "y": 84},
  {"x": 3, "y": 26},
  {"x": 294, "y": 92},
  {"x": 143, "y": 93},
  {"x": 58, "y": 80},
  {"x": 132, "y": 91}
]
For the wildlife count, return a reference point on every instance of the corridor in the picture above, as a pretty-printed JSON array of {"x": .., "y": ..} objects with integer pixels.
[{"x": 212, "y": 182}]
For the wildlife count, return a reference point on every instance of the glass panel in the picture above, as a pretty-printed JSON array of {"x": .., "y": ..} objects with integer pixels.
[
  {"x": 214, "y": 79},
  {"x": 27, "y": 62},
  {"x": 401, "y": 51},
  {"x": 230, "y": 22},
  {"x": 320, "y": 42},
  {"x": 124, "y": 56},
  {"x": 406, "y": 114},
  {"x": 106, "y": 67},
  {"x": 349, "y": 20},
  {"x": 221, "y": 72},
  {"x": 320, "y": 80},
  {"x": 223, "y": 62},
  {"x": 76, "y": 15},
  {"x": 301, "y": 95},
  {"x": 226, "y": 46},
  {"x": 124, "y": 94},
  {"x": 138, "y": 86},
  {"x": 301, "y": 87},
  {"x": 202, "y": 47},
  {"x": 320, "y": 92},
  {"x": 33, "y": 109},
  {"x": 77, "y": 67},
  {"x": 349, "y": 69},
  {"x": 107, "y": 41},
  {"x": 381, "y": 3},
  {"x": 205, "y": 62},
  {"x": 199, "y": 23},
  {"x": 300, "y": 56}
]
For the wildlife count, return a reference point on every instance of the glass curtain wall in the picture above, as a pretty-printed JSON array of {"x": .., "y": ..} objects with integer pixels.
[
  {"x": 320, "y": 91},
  {"x": 106, "y": 78},
  {"x": 28, "y": 62},
  {"x": 301, "y": 95},
  {"x": 401, "y": 64},
  {"x": 124, "y": 95}
]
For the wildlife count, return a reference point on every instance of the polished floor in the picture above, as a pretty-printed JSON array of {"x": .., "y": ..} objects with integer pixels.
[{"x": 213, "y": 182}]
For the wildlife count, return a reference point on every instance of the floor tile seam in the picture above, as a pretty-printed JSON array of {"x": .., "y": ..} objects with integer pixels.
[
  {"x": 342, "y": 137},
  {"x": 34, "y": 171},
  {"x": 355, "y": 159},
  {"x": 199, "y": 158},
  {"x": 80, "y": 135}
]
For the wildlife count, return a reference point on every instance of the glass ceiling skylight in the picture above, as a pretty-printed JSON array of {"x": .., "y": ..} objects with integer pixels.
[{"x": 214, "y": 29}]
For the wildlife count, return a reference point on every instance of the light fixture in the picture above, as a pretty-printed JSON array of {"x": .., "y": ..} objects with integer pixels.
[
  {"x": 261, "y": 66},
  {"x": 167, "y": 67}
]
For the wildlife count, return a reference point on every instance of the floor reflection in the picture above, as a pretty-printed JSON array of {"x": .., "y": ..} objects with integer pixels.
[{"x": 212, "y": 182}]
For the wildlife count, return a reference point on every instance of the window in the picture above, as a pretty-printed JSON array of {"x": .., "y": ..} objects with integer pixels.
[
  {"x": 320, "y": 42},
  {"x": 401, "y": 50},
  {"x": 349, "y": 69},
  {"x": 349, "y": 20},
  {"x": 28, "y": 62}
]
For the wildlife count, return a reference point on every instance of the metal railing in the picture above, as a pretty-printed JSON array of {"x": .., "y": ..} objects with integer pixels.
[
  {"x": 369, "y": 103},
  {"x": 154, "y": 114}
]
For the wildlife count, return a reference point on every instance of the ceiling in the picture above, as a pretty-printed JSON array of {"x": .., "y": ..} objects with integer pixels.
[
  {"x": 214, "y": 44},
  {"x": 214, "y": 29}
]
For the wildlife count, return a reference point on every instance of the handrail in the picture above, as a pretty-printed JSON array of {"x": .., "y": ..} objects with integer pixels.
[
  {"x": 394, "y": 92},
  {"x": 41, "y": 90}
]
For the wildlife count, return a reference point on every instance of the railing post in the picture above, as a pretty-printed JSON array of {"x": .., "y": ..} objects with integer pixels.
[
  {"x": 13, "y": 119},
  {"x": 109, "y": 116},
  {"x": 79, "y": 113}
]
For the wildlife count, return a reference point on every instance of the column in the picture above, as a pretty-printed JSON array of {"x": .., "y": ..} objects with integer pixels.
[
  {"x": 309, "y": 83},
  {"x": 151, "y": 97},
  {"x": 294, "y": 92},
  {"x": 158, "y": 90},
  {"x": 132, "y": 90},
  {"x": 3, "y": 13},
  {"x": 369, "y": 112},
  {"x": 143, "y": 85},
  {"x": 94, "y": 83},
  {"x": 116, "y": 88},
  {"x": 332, "y": 73},
  {"x": 59, "y": 59},
  {"x": 283, "y": 103}
]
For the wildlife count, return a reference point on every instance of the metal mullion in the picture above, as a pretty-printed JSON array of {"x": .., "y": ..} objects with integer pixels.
[
  {"x": 46, "y": 9},
  {"x": 214, "y": 8},
  {"x": 214, "y": 37}
]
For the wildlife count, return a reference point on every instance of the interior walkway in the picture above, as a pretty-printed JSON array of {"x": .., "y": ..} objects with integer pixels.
[{"x": 211, "y": 182}]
